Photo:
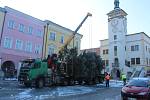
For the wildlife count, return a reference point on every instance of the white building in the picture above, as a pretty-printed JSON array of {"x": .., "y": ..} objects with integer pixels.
[{"x": 122, "y": 52}]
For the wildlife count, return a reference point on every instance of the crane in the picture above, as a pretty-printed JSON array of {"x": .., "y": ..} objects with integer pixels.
[{"x": 74, "y": 33}]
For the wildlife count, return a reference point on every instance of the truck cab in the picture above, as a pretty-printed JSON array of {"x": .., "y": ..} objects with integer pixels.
[{"x": 33, "y": 71}]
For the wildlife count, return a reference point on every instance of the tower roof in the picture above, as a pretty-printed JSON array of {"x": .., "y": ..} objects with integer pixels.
[
  {"x": 117, "y": 12},
  {"x": 116, "y": 4}
]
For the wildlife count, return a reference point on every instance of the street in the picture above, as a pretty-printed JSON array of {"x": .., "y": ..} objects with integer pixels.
[{"x": 11, "y": 90}]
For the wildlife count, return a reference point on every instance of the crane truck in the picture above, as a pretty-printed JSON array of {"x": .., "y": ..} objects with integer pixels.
[{"x": 35, "y": 72}]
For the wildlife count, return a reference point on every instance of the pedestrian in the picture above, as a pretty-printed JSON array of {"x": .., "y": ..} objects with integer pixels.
[
  {"x": 124, "y": 79},
  {"x": 107, "y": 78}
]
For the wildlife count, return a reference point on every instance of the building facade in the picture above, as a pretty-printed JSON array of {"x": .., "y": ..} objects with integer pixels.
[
  {"x": 96, "y": 50},
  {"x": 56, "y": 36},
  {"x": 2, "y": 18},
  {"x": 122, "y": 52},
  {"x": 21, "y": 38}
]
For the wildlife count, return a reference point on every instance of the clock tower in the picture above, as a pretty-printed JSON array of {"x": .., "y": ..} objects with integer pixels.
[{"x": 117, "y": 31}]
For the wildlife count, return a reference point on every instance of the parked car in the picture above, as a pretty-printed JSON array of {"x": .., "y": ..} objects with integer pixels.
[{"x": 136, "y": 88}]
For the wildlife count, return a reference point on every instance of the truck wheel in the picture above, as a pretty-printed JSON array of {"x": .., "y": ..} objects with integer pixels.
[{"x": 39, "y": 83}]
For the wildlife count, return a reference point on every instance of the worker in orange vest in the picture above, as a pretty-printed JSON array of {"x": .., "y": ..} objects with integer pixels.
[{"x": 107, "y": 78}]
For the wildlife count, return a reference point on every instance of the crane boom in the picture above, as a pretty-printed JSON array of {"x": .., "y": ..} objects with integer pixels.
[{"x": 75, "y": 32}]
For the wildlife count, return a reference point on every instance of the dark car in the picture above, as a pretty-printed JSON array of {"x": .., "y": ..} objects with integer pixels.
[{"x": 136, "y": 88}]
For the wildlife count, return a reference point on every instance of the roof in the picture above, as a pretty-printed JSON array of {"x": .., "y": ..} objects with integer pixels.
[
  {"x": 2, "y": 9},
  {"x": 138, "y": 33},
  {"x": 21, "y": 14},
  {"x": 50, "y": 22},
  {"x": 116, "y": 13},
  {"x": 131, "y": 35}
]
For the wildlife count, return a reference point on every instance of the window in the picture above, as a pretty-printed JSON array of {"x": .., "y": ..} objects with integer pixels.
[
  {"x": 52, "y": 36},
  {"x": 38, "y": 49},
  {"x": 30, "y": 30},
  {"x": 8, "y": 42},
  {"x": 103, "y": 51},
  {"x": 19, "y": 44},
  {"x": 39, "y": 33},
  {"x": 51, "y": 50},
  {"x": 11, "y": 24},
  {"x": 137, "y": 60},
  {"x": 133, "y": 61},
  {"x": 106, "y": 51},
  {"x": 62, "y": 39},
  {"x": 115, "y": 50},
  {"x": 107, "y": 63},
  {"x": 21, "y": 28},
  {"x": 135, "y": 48},
  {"x": 132, "y": 48},
  {"x": 115, "y": 37},
  {"x": 28, "y": 47}
]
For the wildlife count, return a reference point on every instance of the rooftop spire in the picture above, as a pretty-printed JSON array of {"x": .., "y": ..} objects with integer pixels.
[{"x": 116, "y": 4}]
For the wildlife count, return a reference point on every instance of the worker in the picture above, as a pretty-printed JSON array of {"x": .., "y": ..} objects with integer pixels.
[
  {"x": 107, "y": 78},
  {"x": 49, "y": 61},
  {"x": 52, "y": 64},
  {"x": 124, "y": 79}
]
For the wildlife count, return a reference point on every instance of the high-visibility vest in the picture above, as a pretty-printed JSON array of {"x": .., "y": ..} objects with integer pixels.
[
  {"x": 107, "y": 77},
  {"x": 123, "y": 77}
]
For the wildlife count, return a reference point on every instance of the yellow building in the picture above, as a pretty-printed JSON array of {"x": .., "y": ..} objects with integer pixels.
[{"x": 55, "y": 38}]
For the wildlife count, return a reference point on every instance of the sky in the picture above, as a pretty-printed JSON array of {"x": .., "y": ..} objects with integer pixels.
[{"x": 70, "y": 13}]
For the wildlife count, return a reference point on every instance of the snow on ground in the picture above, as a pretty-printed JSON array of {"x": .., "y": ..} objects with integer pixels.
[
  {"x": 11, "y": 79},
  {"x": 59, "y": 91},
  {"x": 116, "y": 83},
  {"x": 24, "y": 95},
  {"x": 27, "y": 94},
  {"x": 113, "y": 83},
  {"x": 74, "y": 90}
]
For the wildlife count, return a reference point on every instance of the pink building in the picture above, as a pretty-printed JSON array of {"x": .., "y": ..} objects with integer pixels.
[{"x": 22, "y": 37}]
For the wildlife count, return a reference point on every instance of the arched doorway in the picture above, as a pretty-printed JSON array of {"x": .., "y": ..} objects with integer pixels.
[{"x": 8, "y": 67}]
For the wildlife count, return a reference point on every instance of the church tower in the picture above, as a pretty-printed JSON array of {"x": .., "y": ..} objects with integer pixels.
[{"x": 117, "y": 31}]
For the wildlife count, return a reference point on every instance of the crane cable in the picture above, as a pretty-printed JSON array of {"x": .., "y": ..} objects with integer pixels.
[{"x": 90, "y": 33}]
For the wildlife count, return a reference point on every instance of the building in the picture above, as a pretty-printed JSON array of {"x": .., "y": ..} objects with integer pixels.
[
  {"x": 122, "y": 52},
  {"x": 2, "y": 18},
  {"x": 21, "y": 38},
  {"x": 96, "y": 50},
  {"x": 56, "y": 36}
]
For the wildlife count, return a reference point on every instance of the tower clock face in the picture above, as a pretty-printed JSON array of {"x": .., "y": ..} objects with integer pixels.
[{"x": 114, "y": 23}]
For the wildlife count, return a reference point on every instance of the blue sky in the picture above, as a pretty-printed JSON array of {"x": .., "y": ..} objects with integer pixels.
[{"x": 69, "y": 13}]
